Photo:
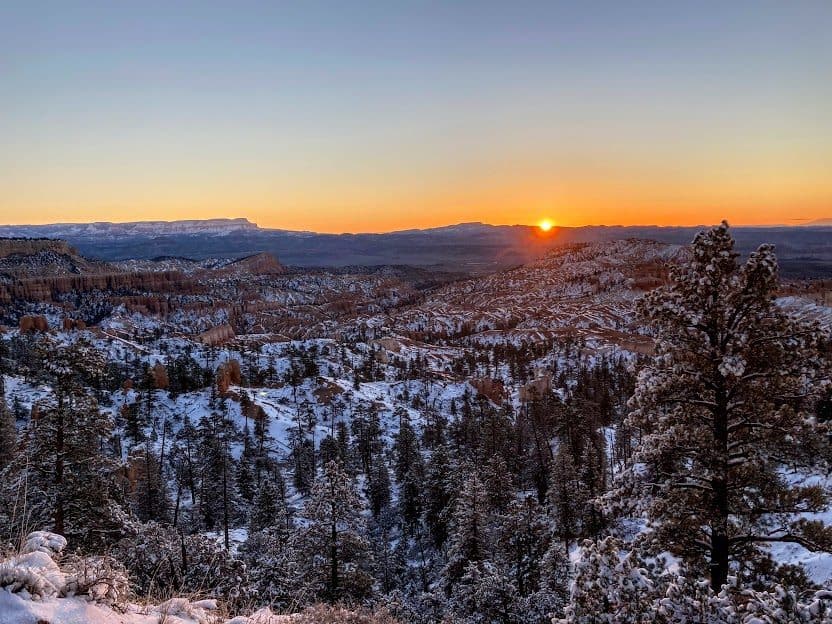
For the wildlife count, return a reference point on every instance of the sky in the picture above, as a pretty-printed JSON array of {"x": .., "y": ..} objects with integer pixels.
[{"x": 385, "y": 115}]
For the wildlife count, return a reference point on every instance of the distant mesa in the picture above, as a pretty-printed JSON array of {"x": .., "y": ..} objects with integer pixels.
[{"x": 139, "y": 229}]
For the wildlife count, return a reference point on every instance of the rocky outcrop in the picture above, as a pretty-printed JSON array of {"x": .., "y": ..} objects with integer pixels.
[
  {"x": 33, "y": 324},
  {"x": 48, "y": 287},
  {"x": 258, "y": 264},
  {"x": 228, "y": 374},
  {"x": 216, "y": 335},
  {"x": 492, "y": 389},
  {"x": 160, "y": 376},
  {"x": 536, "y": 388},
  {"x": 32, "y": 246},
  {"x": 70, "y": 324}
]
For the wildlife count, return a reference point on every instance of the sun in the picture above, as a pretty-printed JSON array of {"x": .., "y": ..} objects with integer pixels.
[{"x": 546, "y": 224}]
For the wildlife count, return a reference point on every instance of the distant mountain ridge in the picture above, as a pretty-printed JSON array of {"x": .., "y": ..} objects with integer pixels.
[
  {"x": 464, "y": 248},
  {"x": 69, "y": 231}
]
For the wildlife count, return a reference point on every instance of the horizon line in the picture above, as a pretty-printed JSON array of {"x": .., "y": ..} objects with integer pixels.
[{"x": 807, "y": 223}]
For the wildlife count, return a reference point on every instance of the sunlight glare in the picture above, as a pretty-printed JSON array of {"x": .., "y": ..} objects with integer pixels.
[{"x": 546, "y": 225}]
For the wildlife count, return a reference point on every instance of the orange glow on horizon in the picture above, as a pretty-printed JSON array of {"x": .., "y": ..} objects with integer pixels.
[
  {"x": 373, "y": 205},
  {"x": 546, "y": 225},
  {"x": 358, "y": 201}
]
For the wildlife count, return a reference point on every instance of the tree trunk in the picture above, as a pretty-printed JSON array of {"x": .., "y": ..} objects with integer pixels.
[
  {"x": 719, "y": 524},
  {"x": 225, "y": 495},
  {"x": 59, "y": 468},
  {"x": 333, "y": 552}
]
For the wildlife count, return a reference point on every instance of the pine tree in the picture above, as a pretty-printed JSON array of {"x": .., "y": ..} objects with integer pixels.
[
  {"x": 245, "y": 478},
  {"x": 439, "y": 495},
  {"x": 724, "y": 407},
  {"x": 409, "y": 470},
  {"x": 567, "y": 496},
  {"x": 8, "y": 430},
  {"x": 498, "y": 482},
  {"x": 68, "y": 464},
  {"x": 553, "y": 584},
  {"x": 71, "y": 473},
  {"x": 303, "y": 460},
  {"x": 150, "y": 492},
  {"x": 470, "y": 540},
  {"x": 523, "y": 538},
  {"x": 267, "y": 511},
  {"x": 217, "y": 466},
  {"x": 183, "y": 458},
  {"x": 378, "y": 488},
  {"x": 484, "y": 594},
  {"x": 333, "y": 552}
]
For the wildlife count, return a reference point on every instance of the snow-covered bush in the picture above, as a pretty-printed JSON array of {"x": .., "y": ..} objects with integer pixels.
[
  {"x": 484, "y": 594},
  {"x": 34, "y": 573},
  {"x": 161, "y": 562},
  {"x": 101, "y": 579},
  {"x": 200, "y": 611},
  {"x": 271, "y": 567},
  {"x": 48, "y": 543},
  {"x": 692, "y": 602},
  {"x": 609, "y": 588},
  {"x": 779, "y": 606},
  {"x": 325, "y": 614},
  {"x": 612, "y": 587}
]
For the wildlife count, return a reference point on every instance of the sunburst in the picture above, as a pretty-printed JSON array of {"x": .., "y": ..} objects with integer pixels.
[{"x": 546, "y": 224}]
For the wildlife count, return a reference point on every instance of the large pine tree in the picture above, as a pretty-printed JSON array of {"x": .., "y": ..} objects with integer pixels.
[
  {"x": 724, "y": 409},
  {"x": 66, "y": 478}
]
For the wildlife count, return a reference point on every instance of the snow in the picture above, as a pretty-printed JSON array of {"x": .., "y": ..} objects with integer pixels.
[
  {"x": 34, "y": 589},
  {"x": 15, "y": 609}
]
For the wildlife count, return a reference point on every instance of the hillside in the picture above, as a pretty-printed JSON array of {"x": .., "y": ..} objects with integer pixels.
[{"x": 228, "y": 409}]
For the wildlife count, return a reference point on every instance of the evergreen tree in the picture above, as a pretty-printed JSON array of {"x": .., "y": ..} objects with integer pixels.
[
  {"x": 149, "y": 496},
  {"x": 439, "y": 495},
  {"x": 378, "y": 488},
  {"x": 217, "y": 493},
  {"x": 484, "y": 595},
  {"x": 303, "y": 460},
  {"x": 523, "y": 538},
  {"x": 71, "y": 474},
  {"x": 724, "y": 407},
  {"x": 553, "y": 583},
  {"x": 68, "y": 466},
  {"x": 469, "y": 539},
  {"x": 267, "y": 511},
  {"x": 332, "y": 549},
  {"x": 245, "y": 477},
  {"x": 8, "y": 430},
  {"x": 498, "y": 482},
  {"x": 567, "y": 497}
]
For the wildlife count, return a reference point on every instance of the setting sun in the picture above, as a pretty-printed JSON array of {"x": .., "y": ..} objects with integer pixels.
[{"x": 546, "y": 225}]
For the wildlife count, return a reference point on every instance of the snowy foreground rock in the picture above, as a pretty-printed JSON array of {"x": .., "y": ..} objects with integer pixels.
[{"x": 34, "y": 589}]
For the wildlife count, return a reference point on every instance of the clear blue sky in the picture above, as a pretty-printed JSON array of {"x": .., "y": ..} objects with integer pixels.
[{"x": 380, "y": 115}]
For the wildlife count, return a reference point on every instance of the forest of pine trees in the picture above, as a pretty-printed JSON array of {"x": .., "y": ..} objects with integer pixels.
[{"x": 566, "y": 507}]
